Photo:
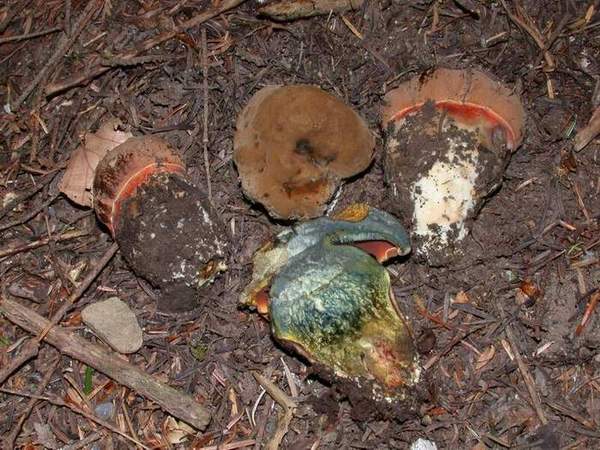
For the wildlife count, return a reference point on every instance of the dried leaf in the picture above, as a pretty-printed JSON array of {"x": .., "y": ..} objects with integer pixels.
[
  {"x": 589, "y": 132},
  {"x": 485, "y": 357},
  {"x": 77, "y": 180},
  {"x": 461, "y": 298},
  {"x": 176, "y": 432},
  {"x": 299, "y": 9}
]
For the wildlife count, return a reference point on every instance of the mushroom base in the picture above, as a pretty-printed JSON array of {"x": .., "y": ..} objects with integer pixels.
[
  {"x": 169, "y": 234},
  {"x": 366, "y": 404},
  {"x": 439, "y": 174}
]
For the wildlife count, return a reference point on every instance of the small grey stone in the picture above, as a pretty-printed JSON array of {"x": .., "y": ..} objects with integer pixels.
[
  {"x": 104, "y": 410},
  {"x": 115, "y": 324}
]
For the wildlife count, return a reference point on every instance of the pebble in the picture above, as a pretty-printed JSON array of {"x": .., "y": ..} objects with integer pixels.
[
  {"x": 423, "y": 444},
  {"x": 104, "y": 410},
  {"x": 115, "y": 323}
]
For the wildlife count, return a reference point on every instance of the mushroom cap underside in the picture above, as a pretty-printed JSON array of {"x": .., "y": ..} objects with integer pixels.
[{"x": 125, "y": 168}]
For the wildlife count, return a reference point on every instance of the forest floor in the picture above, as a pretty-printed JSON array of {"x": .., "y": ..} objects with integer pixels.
[{"x": 505, "y": 364}]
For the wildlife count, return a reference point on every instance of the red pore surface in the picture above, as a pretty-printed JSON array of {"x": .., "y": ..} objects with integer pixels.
[
  {"x": 125, "y": 168},
  {"x": 380, "y": 250},
  {"x": 261, "y": 300},
  {"x": 472, "y": 98}
]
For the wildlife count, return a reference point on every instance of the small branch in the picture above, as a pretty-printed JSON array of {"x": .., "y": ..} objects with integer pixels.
[
  {"x": 12, "y": 13},
  {"x": 523, "y": 21},
  {"x": 589, "y": 310},
  {"x": 33, "y": 344},
  {"x": 29, "y": 214},
  {"x": 22, "y": 37},
  {"x": 21, "y": 198},
  {"x": 273, "y": 390},
  {"x": 205, "y": 112},
  {"x": 177, "y": 403},
  {"x": 14, "y": 249},
  {"x": 293, "y": 9},
  {"x": 85, "y": 442}
]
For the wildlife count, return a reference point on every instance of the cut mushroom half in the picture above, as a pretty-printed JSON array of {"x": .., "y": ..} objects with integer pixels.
[
  {"x": 294, "y": 144},
  {"x": 450, "y": 134},
  {"x": 327, "y": 296}
]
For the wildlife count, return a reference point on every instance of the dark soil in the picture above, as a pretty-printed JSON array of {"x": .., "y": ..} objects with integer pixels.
[
  {"x": 540, "y": 228},
  {"x": 171, "y": 236}
]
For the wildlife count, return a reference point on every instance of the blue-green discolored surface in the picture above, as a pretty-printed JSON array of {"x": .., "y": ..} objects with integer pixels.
[{"x": 332, "y": 300}]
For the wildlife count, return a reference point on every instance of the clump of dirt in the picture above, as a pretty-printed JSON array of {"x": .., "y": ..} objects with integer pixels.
[
  {"x": 365, "y": 401},
  {"x": 171, "y": 236}
]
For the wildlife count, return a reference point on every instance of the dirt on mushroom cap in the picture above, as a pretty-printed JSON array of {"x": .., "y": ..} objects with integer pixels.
[
  {"x": 462, "y": 88},
  {"x": 294, "y": 144}
]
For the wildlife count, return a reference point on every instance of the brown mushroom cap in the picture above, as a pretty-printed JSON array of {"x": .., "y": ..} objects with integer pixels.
[
  {"x": 125, "y": 168},
  {"x": 471, "y": 97},
  {"x": 293, "y": 145}
]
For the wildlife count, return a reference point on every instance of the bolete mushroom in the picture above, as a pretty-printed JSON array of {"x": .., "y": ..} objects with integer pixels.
[
  {"x": 450, "y": 135},
  {"x": 166, "y": 228},
  {"x": 327, "y": 296},
  {"x": 294, "y": 144}
]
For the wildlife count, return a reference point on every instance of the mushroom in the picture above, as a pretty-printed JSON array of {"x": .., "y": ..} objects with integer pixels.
[
  {"x": 294, "y": 144},
  {"x": 450, "y": 135},
  {"x": 327, "y": 296},
  {"x": 166, "y": 228}
]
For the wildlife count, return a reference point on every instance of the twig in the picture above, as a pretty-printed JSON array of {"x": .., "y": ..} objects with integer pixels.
[
  {"x": 21, "y": 198},
  {"x": 589, "y": 310},
  {"x": 177, "y": 403},
  {"x": 81, "y": 288},
  {"x": 565, "y": 411},
  {"x": 231, "y": 445},
  {"x": 22, "y": 37},
  {"x": 288, "y": 405},
  {"x": 529, "y": 383},
  {"x": 581, "y": 204},
  {"x": 88, "y": 415},
  {"x": 64, "y": 44},
  {"x": 30, "y": 350},
  {"x": 12, "y": 13},
  {"x": 524, "y": 21},
  {"x": 205, "y": 113},
  {"x": 83, "y": 443},
  {"x": 67, "y": 235},
  {"x": 9, "y": 441},
  {"x": 287, "y": 10},
  {"x": 33, "y": 344},
  {"x": 98, "y": 70},
  {"x": 274, "y": 391},
  {"x": 29, "y": 215}
]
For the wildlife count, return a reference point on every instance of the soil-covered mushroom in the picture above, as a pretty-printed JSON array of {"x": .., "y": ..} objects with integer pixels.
[
  {"x": 294, "y": 144},
  {"x": 329, "y": 298},
  {"x": 450, "y": 135},
  {"x": 166, "y": 228}
]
